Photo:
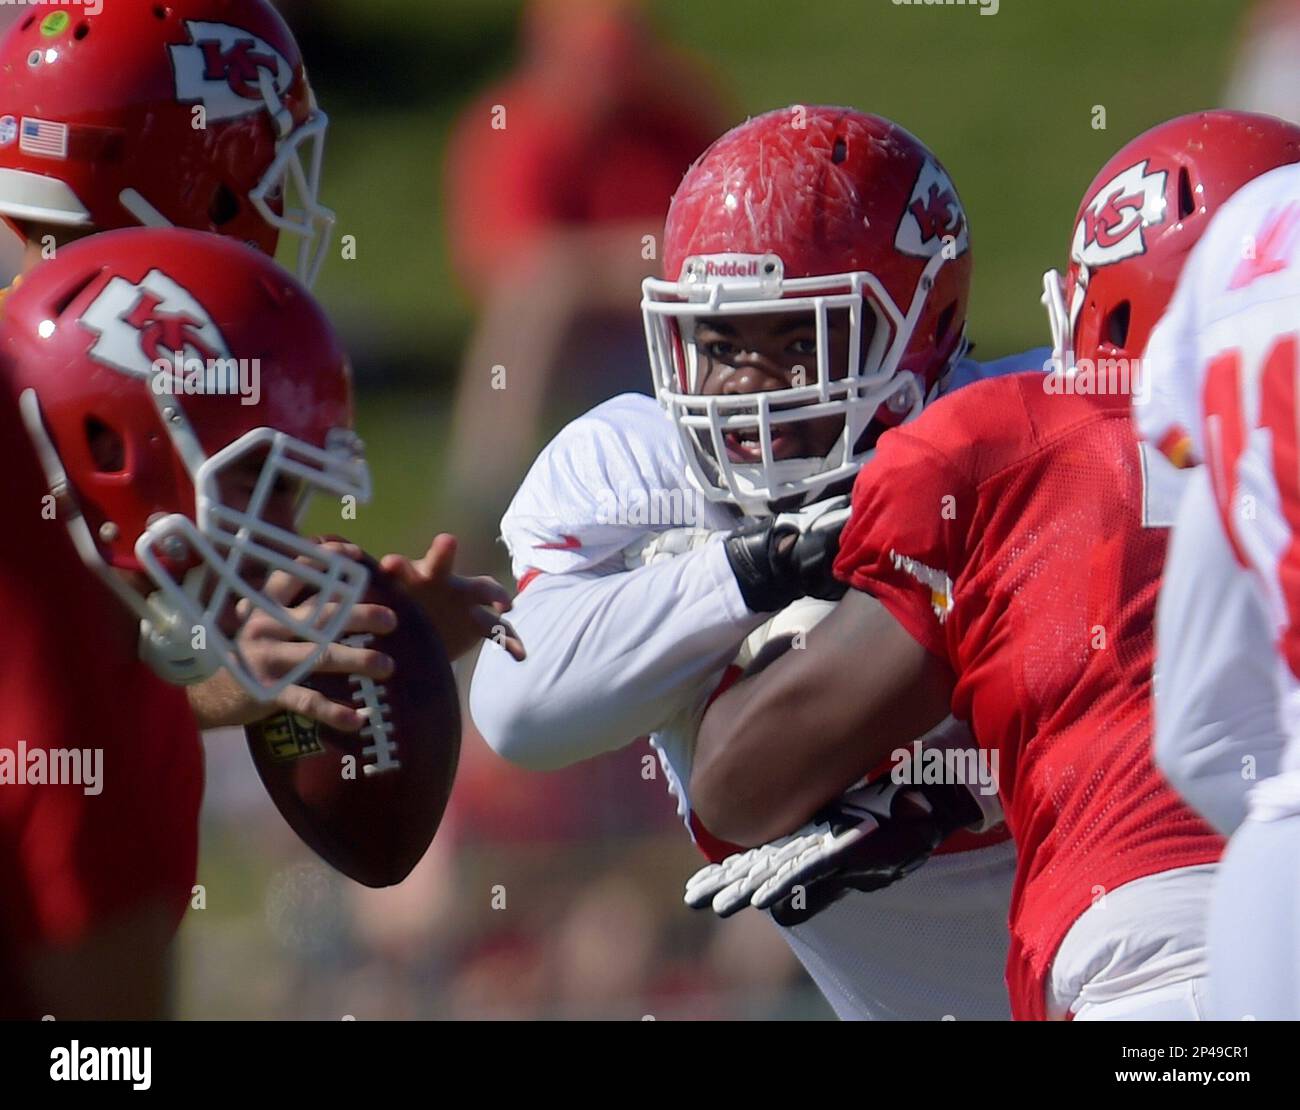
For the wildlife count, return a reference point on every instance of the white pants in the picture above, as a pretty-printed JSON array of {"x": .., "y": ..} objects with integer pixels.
[
  {"x": 930, "y": 947},
  {"x": 1254, "y": 934},
  {"x": 1139, "y": 953}
]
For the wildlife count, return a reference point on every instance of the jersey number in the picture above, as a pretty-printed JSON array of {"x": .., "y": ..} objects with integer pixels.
[{"x": 1226, "y": 434}]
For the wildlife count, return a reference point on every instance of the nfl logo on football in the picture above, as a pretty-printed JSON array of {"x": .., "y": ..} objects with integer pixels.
[{"x": 221, "y": 377}]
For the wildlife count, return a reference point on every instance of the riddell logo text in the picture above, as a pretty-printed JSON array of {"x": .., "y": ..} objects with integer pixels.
[{"x": 731, "y": 269}]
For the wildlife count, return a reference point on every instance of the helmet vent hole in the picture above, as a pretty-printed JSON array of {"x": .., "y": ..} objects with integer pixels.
[
  {"x": 839, "y": 151},
  {"x": 106, "y": 447},
  {"x": 945, "y": 322},
  {"x": 1186, "y": 199},
  {"x": 64, "y": 302},
  {"x": 160, "y": 12},
  {"x": 83, "y": 29},
  {"x": 224, "y": 207},
  {"x": 28, "y": 21},
  {"x": 1117, "y": 324}
]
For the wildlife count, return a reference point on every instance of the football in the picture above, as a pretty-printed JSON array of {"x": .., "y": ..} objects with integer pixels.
[
  {"x": 771, "y": 640},
  {"x": 369, "y": 803}
]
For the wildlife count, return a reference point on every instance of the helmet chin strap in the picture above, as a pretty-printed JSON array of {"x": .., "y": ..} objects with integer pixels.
[
  {"x": 1059, "y": 320},
  {"x": 164, "y": 645},
  {"x": 784, "y": 471},
  {"x": 142, "y": 210}
]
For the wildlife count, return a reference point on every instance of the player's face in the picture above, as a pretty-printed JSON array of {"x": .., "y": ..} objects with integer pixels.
[
  {"x": 767, "y": 351},
  {"x": 236, "y": 486},
  {"x": 238, "y": 483}
]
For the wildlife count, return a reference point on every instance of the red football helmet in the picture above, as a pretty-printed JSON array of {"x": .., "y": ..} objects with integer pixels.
[
  {"x": 189, "y": 113},
  {"x": 1141, "y": 217},
  {"x": 815, "y": 209},
  {"x": 148, "y": 364}
]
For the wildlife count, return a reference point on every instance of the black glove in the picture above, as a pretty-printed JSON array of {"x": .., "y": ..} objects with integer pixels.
[{"x": 783, "y": 558}]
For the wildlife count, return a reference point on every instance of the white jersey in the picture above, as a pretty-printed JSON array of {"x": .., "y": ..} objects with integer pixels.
[
  {"x": 1224, "y": 363},
  {"x": 615, "y": 654},
  {"x": 1217, "y": 731}
]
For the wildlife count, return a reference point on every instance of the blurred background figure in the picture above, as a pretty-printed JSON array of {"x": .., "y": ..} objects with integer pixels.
[
  {"x": 1266, "y": 76},
  {"x": 558, "y": 179}
]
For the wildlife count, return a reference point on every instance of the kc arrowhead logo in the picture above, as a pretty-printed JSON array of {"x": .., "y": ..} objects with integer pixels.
[
  {"x": 221, "y": 68},
  {"x": 1115, "y": 220},
  {"x": 933, "y": 214}
]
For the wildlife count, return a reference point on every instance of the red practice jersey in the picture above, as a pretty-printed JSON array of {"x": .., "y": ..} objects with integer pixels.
[
  {"x": 1005, "y": 529},
  {"x": 70, "y": 682}
]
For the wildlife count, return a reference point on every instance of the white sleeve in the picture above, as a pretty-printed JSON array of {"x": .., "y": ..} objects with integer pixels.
[
  {"x": 608, "y": 479},
  {"x": 610, "y": 658},
  {"x": 1216, "y": 697},
  {"x": 613, "y": 653}
]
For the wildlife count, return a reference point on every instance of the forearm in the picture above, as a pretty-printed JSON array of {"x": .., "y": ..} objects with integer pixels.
[
  {"x": 219, "y": 701},
  {"x": 609, "y": 658},
  {"x": 775, "y": 748}
]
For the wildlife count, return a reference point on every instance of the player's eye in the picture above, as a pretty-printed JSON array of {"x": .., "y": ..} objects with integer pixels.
[
  {"x": 803, "y": 347},
  {"x": 720, "y": 350}
]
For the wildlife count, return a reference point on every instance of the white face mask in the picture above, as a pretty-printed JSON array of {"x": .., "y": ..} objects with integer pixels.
[
  {"x": 1062, "y": 318},
  {"x": 238, "y": 549},
  {"x": 294, "y": 176},
  {"x": 754, "y": 284},
  {"x": 230, "y": 552}
]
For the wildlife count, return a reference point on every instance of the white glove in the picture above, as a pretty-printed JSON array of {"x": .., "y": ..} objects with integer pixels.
[
  {"x": 865, "y": 841},
  {"x": 659, "y": 546}
]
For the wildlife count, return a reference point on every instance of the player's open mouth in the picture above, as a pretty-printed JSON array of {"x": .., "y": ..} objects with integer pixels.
[{"x": 745, "y": 446}]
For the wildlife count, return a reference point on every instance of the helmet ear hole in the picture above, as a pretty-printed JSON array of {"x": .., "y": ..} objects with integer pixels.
[
  {"x": 1117, "y": 321},
  {"x": 224, "y": 206},
  {"x": 107, "y": 448},
  {"x": 1186, "y": 197},
  {"x": 944, "y": 322}
]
